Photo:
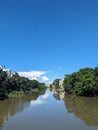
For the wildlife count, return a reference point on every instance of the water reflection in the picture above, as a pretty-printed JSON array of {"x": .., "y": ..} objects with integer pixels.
[
  {"x": 40, "y": 100},
  {"x": 59, "y": 95},
  {"x": 86, "y": 108},
  {"x": 10, "y": 107},
  {"x": 50, "y": 112},
  {"x": 46, "y": 115}
]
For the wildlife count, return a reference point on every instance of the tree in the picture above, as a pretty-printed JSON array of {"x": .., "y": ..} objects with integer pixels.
[
  {"x": 84, "y": 82},
  {"x": 17, "y": 83}
]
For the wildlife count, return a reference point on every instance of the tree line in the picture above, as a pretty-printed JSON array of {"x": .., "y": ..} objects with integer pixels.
[
  {"x": 82, "y": 83},
  {"x": 17, "y": 83}
]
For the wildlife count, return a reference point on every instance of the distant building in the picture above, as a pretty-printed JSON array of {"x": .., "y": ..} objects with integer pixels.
[
  {"x": 9, "y": 72},
  {"x": 2, "y": 67},
  {"x": 61, "y": 83}
]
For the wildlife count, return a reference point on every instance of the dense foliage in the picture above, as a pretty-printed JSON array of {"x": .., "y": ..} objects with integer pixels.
[
  {"x": 17, "y": 83},
  {"x": 56, "y": 83},
  {"x": 84, "y": 82}
]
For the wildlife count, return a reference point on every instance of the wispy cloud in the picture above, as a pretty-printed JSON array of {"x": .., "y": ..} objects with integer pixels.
[
  {"x": 45, "y": 78},
  {"x": 37, "y": 75}
]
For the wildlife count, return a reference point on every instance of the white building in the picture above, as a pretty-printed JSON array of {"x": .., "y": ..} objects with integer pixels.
[
  {"x": 9, "y": 72},
  {"x": 2, "y": 67},
  {"x": 61, "y": 83}
]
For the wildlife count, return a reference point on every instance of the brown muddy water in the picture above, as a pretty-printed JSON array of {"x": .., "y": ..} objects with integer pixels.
[{"x": 49, "y": 111}]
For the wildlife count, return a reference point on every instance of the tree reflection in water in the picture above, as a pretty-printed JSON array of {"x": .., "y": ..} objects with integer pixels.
[
  {"x": 85, "y": 108},
  {"x": 10, "y": 107}
]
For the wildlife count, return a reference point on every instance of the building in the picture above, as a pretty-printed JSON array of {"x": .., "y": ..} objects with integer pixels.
[
  {"x": 9, "y": 72},
  {"x": 2, "y": 67},
  {"x": 61, "y": 83}
]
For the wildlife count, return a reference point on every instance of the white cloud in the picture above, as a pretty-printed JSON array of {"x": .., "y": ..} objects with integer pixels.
[
  {"x": 45, "y": 78},
  {"x": 37, "y": 75}
]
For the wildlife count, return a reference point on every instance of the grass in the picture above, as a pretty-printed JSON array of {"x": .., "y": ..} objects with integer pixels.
[{"x": 15, "y": 94}]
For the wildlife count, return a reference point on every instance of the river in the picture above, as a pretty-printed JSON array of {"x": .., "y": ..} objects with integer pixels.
[{"x": 49, "y": 111}]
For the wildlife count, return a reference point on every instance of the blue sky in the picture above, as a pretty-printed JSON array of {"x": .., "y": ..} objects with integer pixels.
[{"x": 57, "y": 37}]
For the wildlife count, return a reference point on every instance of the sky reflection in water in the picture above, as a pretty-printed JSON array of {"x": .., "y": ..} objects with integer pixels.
[{"x": 48, "y": 112}]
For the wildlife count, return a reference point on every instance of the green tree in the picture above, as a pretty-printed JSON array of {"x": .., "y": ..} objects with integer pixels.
[{"x": 84, "y": 82}]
